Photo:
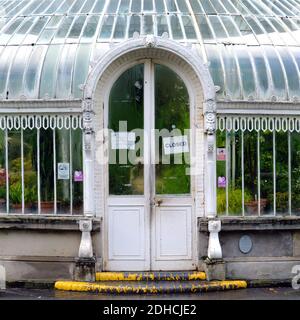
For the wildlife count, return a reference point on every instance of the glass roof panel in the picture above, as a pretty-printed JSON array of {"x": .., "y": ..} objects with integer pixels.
[
  {"x": 16, "y": 74},
  {"x": 248, "y": 36},
  {"x": 136, "y": 6},
  {"x": 98, "y": 8},
  {"x": 277, "y": 72},
  {"x": 160, "y": 6},
  {"x": 33, "y": 70},
  {"x": 134, "y": 26}
]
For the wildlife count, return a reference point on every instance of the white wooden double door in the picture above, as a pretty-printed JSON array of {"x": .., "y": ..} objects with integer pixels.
[{"x": 154, "y": 229}]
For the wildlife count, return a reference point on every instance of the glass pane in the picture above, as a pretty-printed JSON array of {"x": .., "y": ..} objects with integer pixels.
[
  {"x": 126, "y": 113},
  {"x": 282, "y": 181},
  {"x": 120, "y": 27},
  {"x": 3, "y": 173},
  {"x": 277, "y": 73},
  {"x": 295, "y": 172},
  {"x": 215, "y": 68},
  {"x": 136, "y": 6},
  {"x": 261, "y": 72},
  {"x": 46, "y": 171},
  {"x": 160, "y": 7},
  {"x": 77, "y": 166},
  {"x": 246, "y": 71},
  {"x": 250, "y": 170},
  {"x": 189, "y": 27},
  {"x": 30, "y": 170},
  {"x": 148, "y": 5},
  {"x": 112, "y": 7},
  {"x": 77, "y": 27},
  {"x": 81, "y": 69},
  {"x": 106, "y": 28},
  {"x": 63, "y": 160},
  {"x": 204, "y": 27},
  {"x": 172, "y": 118},
  {"x": 266, "y": 173},
  {"x": 148, "y": 24},
  {"x": 171, "y": 6},
  {"x": 176, "y": 27},
  {"x": 234, "y": 153},
  {"x": 15, "y": 80},
  {"x": 221, "y": 172},
  {"x": 135, "y": 26},
  {"x": 49, "y": 73},
  {"x": 196, "y": 6},
  {"x": 231, "y": 73},
  {"x": 162, "y": 25},
  {"x": 124, "y": 6},
  {"x": 14, "y": 169},
  {"x": 99, "y": 6},
  {"x": 64, "y": 72},
  {"x": 90, "y": 29}
]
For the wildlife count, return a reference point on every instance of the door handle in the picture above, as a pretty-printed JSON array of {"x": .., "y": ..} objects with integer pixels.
[{"x": 158, "y": 202}]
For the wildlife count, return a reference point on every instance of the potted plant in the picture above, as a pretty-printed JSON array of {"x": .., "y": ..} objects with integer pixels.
[{"x": 15, "y": 195}]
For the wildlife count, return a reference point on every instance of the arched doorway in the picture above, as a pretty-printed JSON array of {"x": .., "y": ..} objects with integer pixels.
[{"x": 150, "y": 214}]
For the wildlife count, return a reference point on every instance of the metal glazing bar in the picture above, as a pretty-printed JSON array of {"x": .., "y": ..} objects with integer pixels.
[
  {"x": 6, "y": 171},
  {"x": 243, "y": 173},
  {"x": 274, "y": 171},
  {"x": 54, "y": 171},
  {"x": 22, "y": 171},
  {"x": 227, "y": 146},
  {"x": 71, "y": 170},
  {"x": 289, "y": 173},
  {"x": 38, "y": 170},
  {"x": 258, "y": 171}
]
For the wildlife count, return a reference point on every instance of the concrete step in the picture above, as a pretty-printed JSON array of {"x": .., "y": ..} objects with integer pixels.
[
  {"x": 152, "y": 287},
  {"x": 150, "y": 276}
]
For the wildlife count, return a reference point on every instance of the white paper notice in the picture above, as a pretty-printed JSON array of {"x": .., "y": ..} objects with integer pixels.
[
  {"x": 174, "y": 145},
  {"x": 63, "y": 171},
  {"x": 123, "y": 140}
]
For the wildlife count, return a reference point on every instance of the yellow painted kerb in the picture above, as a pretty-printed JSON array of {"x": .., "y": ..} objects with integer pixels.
[
  {"x": 121, "y": 276},
  {"x": 150, "y": 289}
]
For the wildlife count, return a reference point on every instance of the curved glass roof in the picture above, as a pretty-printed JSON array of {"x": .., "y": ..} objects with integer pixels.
[{"x": 252, "y": 46}]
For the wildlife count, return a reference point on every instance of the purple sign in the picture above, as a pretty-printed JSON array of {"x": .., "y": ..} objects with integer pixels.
[
  {"x": 221, "y": 182},
  {"x": 78, "y": 176}
]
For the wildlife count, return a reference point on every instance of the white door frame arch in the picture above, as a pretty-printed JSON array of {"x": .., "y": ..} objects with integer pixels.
[{"x": 146, "y": 46}]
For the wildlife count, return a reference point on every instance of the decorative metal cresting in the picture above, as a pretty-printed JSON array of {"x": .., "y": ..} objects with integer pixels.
[
  {"x": 17, "y": 122},
  {"x": 258, "y": 123}
]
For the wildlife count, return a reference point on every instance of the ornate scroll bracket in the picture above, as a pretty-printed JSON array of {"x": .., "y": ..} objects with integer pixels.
[
  {"x": 214, "y": 247},
  {"x": 210, "y": 117},
  {"x": 88, "y": 123}
]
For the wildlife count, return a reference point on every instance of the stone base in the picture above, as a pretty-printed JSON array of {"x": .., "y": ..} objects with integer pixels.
[
  {"x": 214, "y": 269},
  {"x": 85, "y": 270}
]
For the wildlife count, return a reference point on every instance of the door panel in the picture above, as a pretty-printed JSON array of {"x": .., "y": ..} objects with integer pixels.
[
  {"x": 173, "y": 233},
  {"x": 128, "y": 247}
]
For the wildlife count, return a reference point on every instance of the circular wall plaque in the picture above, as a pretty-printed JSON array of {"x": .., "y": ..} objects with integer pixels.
[{"x": 245, "y": 244}]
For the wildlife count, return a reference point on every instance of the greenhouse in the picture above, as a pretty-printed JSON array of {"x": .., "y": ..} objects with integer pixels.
[{"x": 147, "y": 134}]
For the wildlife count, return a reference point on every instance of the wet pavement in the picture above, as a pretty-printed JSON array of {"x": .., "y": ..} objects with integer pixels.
[{"x": 243, "y": 294}]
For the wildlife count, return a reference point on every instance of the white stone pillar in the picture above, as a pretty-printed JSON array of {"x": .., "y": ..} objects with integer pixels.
[
  {"x": 210, "y": 160},
  {"x": 86, "y": 246},
  {"x": 214, "y": 248},
  {"x": 88, "y": 157}
]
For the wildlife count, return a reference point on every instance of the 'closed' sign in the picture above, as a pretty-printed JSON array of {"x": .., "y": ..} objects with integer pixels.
[{"x": 177, "y": 144}]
